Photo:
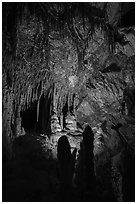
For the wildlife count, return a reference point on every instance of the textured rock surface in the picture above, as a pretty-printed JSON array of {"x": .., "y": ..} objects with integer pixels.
[
  {"x": 78, "y": 61},
  {"x": 55, "y": 126},
  {"x": 71, "y": 123},
  {"x": 74, "y": 59}
]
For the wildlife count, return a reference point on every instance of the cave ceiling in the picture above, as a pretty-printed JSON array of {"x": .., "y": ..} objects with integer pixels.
[{"x": 68, "y": 48}]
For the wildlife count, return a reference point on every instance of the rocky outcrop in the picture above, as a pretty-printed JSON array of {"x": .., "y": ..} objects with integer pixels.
[{"x": 73, "y": 55}]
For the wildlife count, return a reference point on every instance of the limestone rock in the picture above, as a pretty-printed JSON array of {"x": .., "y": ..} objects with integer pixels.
[
  {"x": 55, "y": 126},
  {"x": 71, "y": 123}
]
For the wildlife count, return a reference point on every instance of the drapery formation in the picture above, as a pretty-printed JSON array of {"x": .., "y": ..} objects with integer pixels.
[{"x": 74, "y": 53}]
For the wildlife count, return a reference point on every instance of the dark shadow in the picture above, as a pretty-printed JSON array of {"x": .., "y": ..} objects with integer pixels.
[
  {"x": 38, "y": 124},
  {"x": 29, "y": 176}
]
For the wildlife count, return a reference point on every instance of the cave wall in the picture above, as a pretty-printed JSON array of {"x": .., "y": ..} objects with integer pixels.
[{"x": 68, "y": 49}]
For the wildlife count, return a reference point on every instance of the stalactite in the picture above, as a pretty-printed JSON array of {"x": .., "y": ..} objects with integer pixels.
[
  {"x": 36, "y": 92},
  {"x": 54, "y": 97},
  {"x": 41, "y": 92},
  {"x": 30, "y": 95},
  {"x": 38, "y": 110},
  {"x": 7, "y": 114},
  {"x": 57, "y": 96},
  {"x": 25, "y": 100}
]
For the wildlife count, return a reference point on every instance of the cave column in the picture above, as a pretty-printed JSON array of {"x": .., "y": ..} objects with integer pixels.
[
  {"x": 70, "y": 122},
  {"x": 19, "y": 129},
  {"x": 70, "y": 119},
  {"x": 7, "y": 134},
  {"x": 61, "y": 121},
  {"x": 55, "y": 125}
]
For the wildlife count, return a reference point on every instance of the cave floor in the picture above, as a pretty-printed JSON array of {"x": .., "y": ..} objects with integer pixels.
[{"x": 32, "y": 174}]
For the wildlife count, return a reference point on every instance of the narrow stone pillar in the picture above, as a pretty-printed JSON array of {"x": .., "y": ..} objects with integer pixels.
[
  {"x": 55, "y": 126},
  {"x": 89, "y": 175},
  {"x": 70, "y": 122},
  {"x": 61, "y": 122},
  {"x": 18, "y": 123},
  {"x": 66, "y": 168}
]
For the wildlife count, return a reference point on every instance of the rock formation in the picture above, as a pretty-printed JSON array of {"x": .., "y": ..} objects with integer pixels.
[{"x": 66, "y": 65}]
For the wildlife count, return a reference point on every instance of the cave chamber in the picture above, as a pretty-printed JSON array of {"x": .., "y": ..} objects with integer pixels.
[{"x": 66, "y": 65}]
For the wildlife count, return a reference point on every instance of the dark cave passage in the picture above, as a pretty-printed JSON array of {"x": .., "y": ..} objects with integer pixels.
[
  {"x": 29, "y": 117},
  {"x": 68, "y": 110}
]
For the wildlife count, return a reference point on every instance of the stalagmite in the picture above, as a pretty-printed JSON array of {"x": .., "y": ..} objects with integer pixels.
[
  {"x": 66, "y": 65},
  {"x": 66, "y": 167},
  {"x": 88, "y": 138}
]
